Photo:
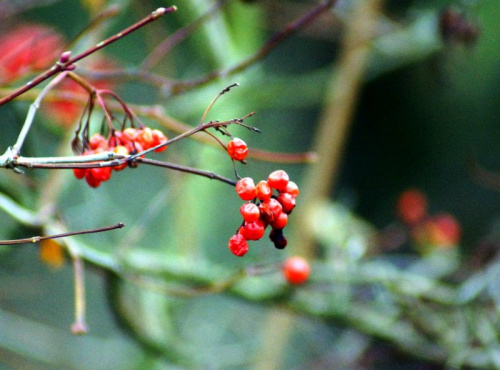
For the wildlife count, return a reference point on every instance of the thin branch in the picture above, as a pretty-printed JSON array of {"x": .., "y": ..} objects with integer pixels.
[
  {"x": 272, "y": 43},
  {"x": 194, "y": 171},
  {"x": 164, "y": 47},
  {"x": 69, "y": 64},
  {"x": 36, "y": 239}
]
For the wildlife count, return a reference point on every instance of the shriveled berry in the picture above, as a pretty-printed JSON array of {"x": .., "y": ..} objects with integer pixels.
[
  {"x": 246, "y": 188},
  {"x": 238, "y": 245},
  {"x": 250, "y": 212},
  {"x": 296, "y": 270},
  {"x": 252, "y": 230},
  {"x": 263, "y": 191},
  {"x": 277, "y": 237},
  {"x": 237, "y": 149},
  {"x": 278, "y": 180}
]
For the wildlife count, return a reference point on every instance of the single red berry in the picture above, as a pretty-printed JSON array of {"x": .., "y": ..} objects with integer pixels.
[
  {"x": 238, "y": 245},
  {"x": 270, "y": 210},
  {"x": 237, "y": 149},
  {"x": 246, "y": 188},
  {"x": 252, "y": 230},
  {"x": 278, "y": 180},
  {"x": 159, "y": 138},
  {"x": 145, "y": 138},
  {"x": 275, "y": 207},
  {"x": 411, "y": 206},
  {"x": 444, "y": 230},
  {"x": 296, "y": 270},
  {"x": 280, "y": 221},
  {"x": 91, "y": 180},
  {"x": 263, "y": 191},
  {"x": 97, "y": 141},
  {"x": 100, "y": 173},
  {"x": 292, "y": 189},
  {"x": 287, "y": 202},
  {"x": 79, "y": 172},
  {"x": 250, "y": 212}
]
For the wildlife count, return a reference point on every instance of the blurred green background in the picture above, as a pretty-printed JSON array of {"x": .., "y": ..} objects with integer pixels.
[{"x": 423, "y": 107}]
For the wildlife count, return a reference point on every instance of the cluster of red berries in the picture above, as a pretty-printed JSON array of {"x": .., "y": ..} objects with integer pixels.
[
  {"x": 264, "y": 208},
  {"x": 428, "y": 231},
  {"x": 128, "y": 141}
]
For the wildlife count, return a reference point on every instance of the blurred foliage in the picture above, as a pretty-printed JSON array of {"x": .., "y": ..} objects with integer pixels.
[{"x": 164, "y": 292}]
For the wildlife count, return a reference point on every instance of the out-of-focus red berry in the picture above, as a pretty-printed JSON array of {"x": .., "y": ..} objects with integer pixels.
[
  {"x": 28, "y": 48},
  {"x": 411, "y": 206},
  {"x": 296, "y": 270},
  {"x": 444, "y": 230}
]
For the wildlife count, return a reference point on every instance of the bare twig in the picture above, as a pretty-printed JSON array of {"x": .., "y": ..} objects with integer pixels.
[
  {"x": 69, "y": 64},
  {"x": 36, "y": 239}
]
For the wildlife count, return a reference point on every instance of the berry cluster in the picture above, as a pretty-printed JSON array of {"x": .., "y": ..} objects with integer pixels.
[
  {"x": 264, "y": 208},
  {"x": 128, "y": 141},
  {"x": 428, "y": 231}
]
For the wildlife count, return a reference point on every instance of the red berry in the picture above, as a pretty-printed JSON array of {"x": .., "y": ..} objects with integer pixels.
[
  {"x": 100, "y": 173},
  {"x": 238, "y": 245},
  {"x": 79, "y": 172},
  {"x": 444, "y": 230},
  {"x": 280, "y": 221},
  {"x": 411, "y": 206},
  {"x": 287, "y": 202},
  {"x": 250, "y": 212},
  {"x": 252, "y": 230},
  {"x": 292, "y": 189},
  {"x": 97, "y": 141},
  {"x": 278, "y": 180},
  {"x": 145, "y": 138},
  {"x": 275, "y": 207},
  {"x": 296, "y": 270},
  {"x": 263, "y": 191},
  {"x": 91, "y": 180},
  {"x": 237, "y": 149},
  {"x": 270, "y": 210},
  {"x": 246, "y": 188},
  {"x": 159, "y": 138}
]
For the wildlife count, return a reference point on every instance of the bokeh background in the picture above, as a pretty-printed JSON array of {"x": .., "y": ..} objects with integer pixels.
[{"x": 422, "y": 108}]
